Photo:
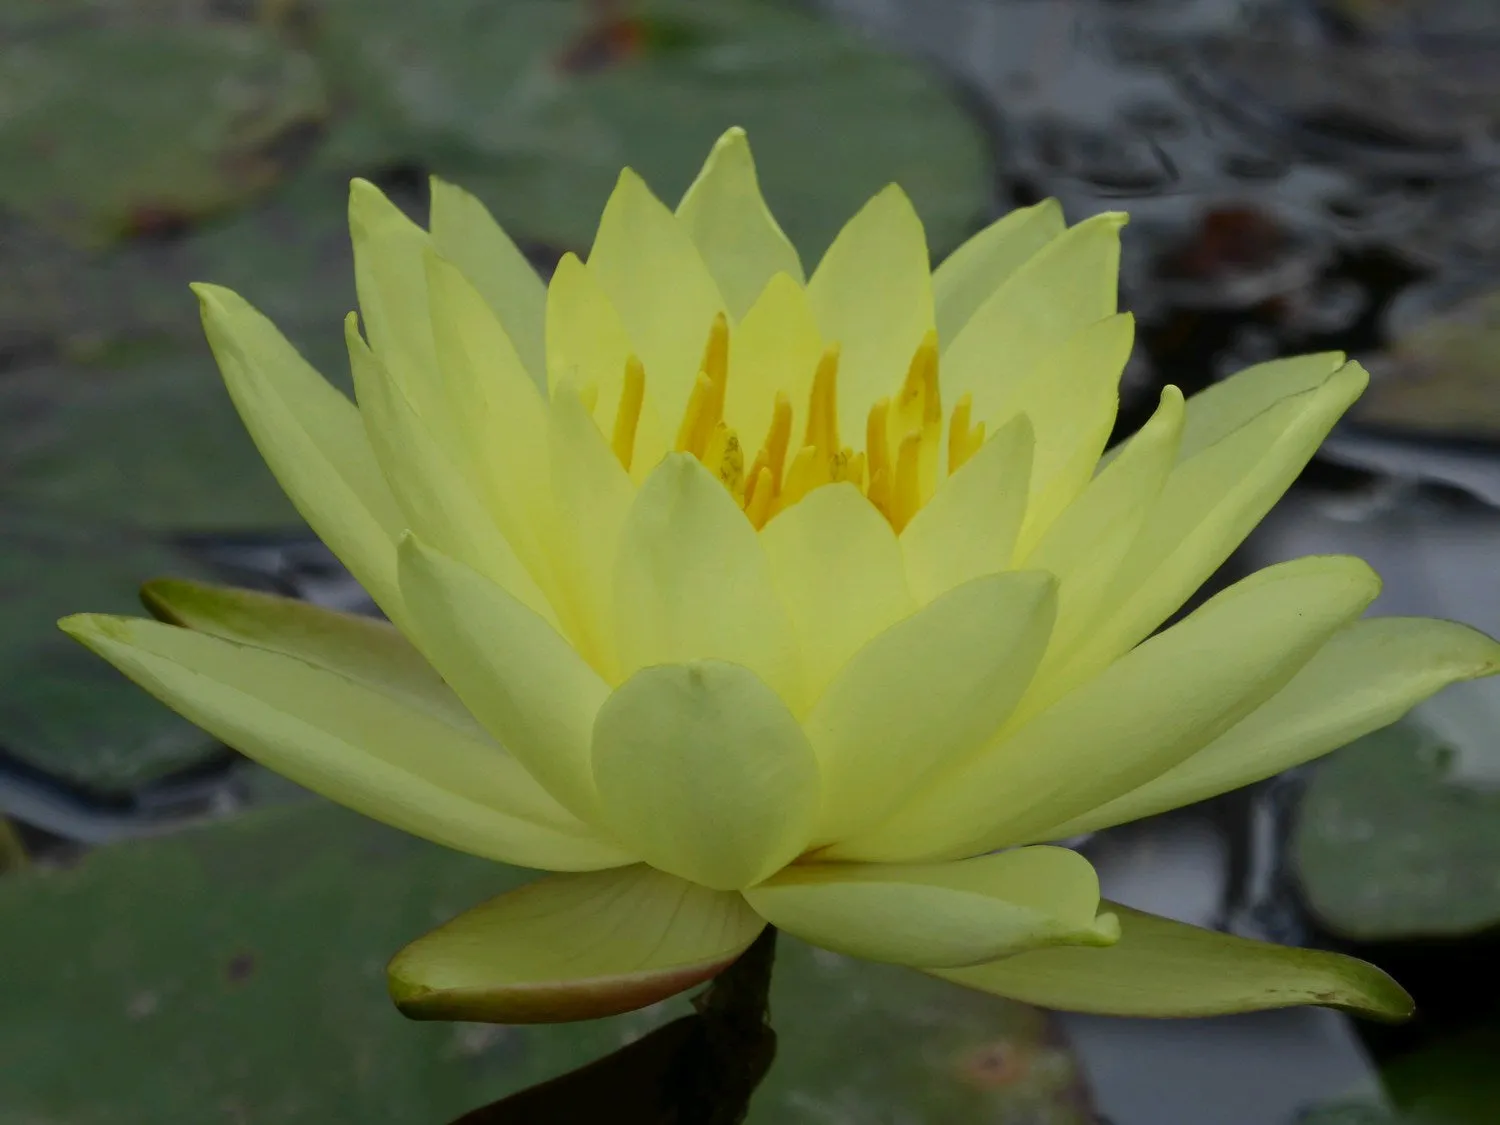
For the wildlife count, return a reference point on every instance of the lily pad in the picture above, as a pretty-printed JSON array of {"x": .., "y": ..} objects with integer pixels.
[
  {"x": 1450, "y": 1081},
  {"x": 1389, "y": 846},
  {"x": 236, "y": 973}
]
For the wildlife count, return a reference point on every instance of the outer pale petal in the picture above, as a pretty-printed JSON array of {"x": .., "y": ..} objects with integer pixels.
[
  {"x": 925, "y": 694},
  {"x": 1061, "y": 289},
  {"x": 573, "y": 947},
  {"x": 312, "y": 438},
  {"x": 1369, "y": 675},
  {"x": 940, "y": 914},
  {"x": 1215, "y": 413},
  {"x": 692, "y": 582},
  {"x": 836, "y": 565},
  {"x": 364, "y": 649},
  {"x": 728, "y": 220},
  {"x": 653, "y": 274},
  {"x": 464, "y": 232},
  {"x": 439, "y": 502},
  {"x": 872, "y": 294},
  {"x": 775, "y": 348},
  {"x": 1148, "y": 711},
  {"x": 969, "y": 527},
  {"x": 518, "y": 676},
  {"x": 704, "y": 772},
  {"x": 1208, "y": 505},
  {"x": 351, "y": 743},
  {"x": 983, "y": 263},
  {"x": 1165, "y": 968}
]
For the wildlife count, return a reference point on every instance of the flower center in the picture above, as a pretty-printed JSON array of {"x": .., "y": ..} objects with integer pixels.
[{"x": 897, "y": 471}]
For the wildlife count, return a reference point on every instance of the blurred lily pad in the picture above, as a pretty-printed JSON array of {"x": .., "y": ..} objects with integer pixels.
[
  {"x": 239, "y": 977},
  {"x": 1450, "y": 1081},
  {"x": 1388, "y": 845}
]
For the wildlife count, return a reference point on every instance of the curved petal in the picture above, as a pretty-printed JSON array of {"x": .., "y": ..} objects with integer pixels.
[
  {"x": 1145, "y": 713},
  {"x": 872, "y": 295},
  {"x": 982, "y": 264},
  {"x": 1367, "y": 676},
  {"x": 365, "y": 649},
  {"x": 728, "y": 220},
  {"x": 1063, "y": 288},
  {"x": 313, "y": 439},
  {"x": 1207, "y": 506},
  {"x": 465, "y": 233},
  {"x": 940, "y": 914},
  {"x": 1163, "y": 968},
  {"x": 705, "y": 773},
  {"x": 691, "y": 582},
  {"x": 522, "y": 680},
  {"x": 926, "y": 693},
  {"x": 350, "y": 743},
  {"x": 653, "y": 274},
  {"x": 836, "y": 566},
  {"x": 572, "y": 947},
  {"x": 439, "y": 503},
  {"x": 969, "y": 527},
  {"x": 775, "y": 348},
  {"x": 1217, "y": 411}
]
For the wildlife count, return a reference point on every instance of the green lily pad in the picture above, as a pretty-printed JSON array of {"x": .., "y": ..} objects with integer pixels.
[
  {"x": 236, "y": 973},
  {"x": 1389, "y": 846},
  {"x": 1451, "y": 1081}
]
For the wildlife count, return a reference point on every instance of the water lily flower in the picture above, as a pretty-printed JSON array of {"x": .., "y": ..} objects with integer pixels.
[{"x": 731, "y": 596}]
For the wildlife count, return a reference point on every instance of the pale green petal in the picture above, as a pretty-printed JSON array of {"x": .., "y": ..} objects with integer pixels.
[
  {"x": 727, "y": 218},
  {"x": 1165, "y": 968},
  {"x": 872, "y": 295},
  {"x": 464, "y": 232},
  {"x": 591, "y": 495},
  {"x": 587, "y": 349},
  {"x": 969, "y": 527},
  {"x": 572, "y": 947},
  {"x": 653, "y": 274},
  {"x": 518, "y": 676},
  {"x": 775, "y": 348},
  {"x": 836, "y": 566},
  {"x": 982, "y": 264},
  {"x": 925, "y": 694},
  {"x": 364, "y": 649},
  {"x": 1148, "y": 711},
  {"x": 703, "y": 772},
  {"x": 439, "y": 503},
  {"x": 1369, "y": 675},
  {"x": 351, "y": 743},
  {"x": 1216, "y": 412},
  {"x": 1064, "y": 287},
  {"x": 1208, "y": 505},
  {"x": 1085, "y": 545},
  {"x": 944, "y": 914},
  {"x": 313, "y": 439},
  {"x": 692, "y": 582}
]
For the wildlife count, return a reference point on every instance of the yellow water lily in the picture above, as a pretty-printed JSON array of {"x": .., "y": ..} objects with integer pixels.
[{"x": 731, "y": 596}]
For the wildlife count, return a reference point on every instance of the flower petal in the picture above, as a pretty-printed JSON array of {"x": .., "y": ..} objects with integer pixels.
[
  {"x": 982, "y": 264},
  {"x": 728, "y": 220},
  {"x": 465, "y": 233},
  {"x": 572, "y": 947},
  {"x": 836, "y": 566},
  {"x": 1216, "y": 412},
  {"x": 365, "y": 649},
  {"x": 1064, "y": 287},
  {"x": 647, "y": 265},
  {"x": 776, "y": 347},
  {"x": 439, "y": 503},
  {"x": 351, "y": 743},
  {"x": 1367, "y": 676},
  {"x": 940, "y": 914},
  {"x": 969, "y": 527},
  {"x": 1148, "y": 711},
  {"x": 313, "y": 439},
  {"x": 926, "y": 693},
  {"x": 522, "y": 680},
  {"x": 872, "y": 295},
  {"x": 1165, "y": 968},
  {"x": 704, "y": 772},
  {"x": 692, "y": 582}
]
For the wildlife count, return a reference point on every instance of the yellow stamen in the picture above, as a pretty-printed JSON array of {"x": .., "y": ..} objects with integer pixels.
[
  {"x": 850, "y": 466},
  {"x": 877, "y": 443},
  {"x": 907, "y": 494},
  {"x": 919, "y": 404},
  {"x": 628, "y": 414},
  {"x": 589, "y": 396},
  {"x": 801, "y": 477},
  {"x": 716, "y": 363},
  {"x": 758, "y": 497},
  {"x": 725, "y": 459},
  {"x": 880, "y": 491},
  {"x": 697, "y": 419},
  {"x": 958, "y": 434},
  {"x": 823, "y": 405},
  {"x": 778, "y": 438}
]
